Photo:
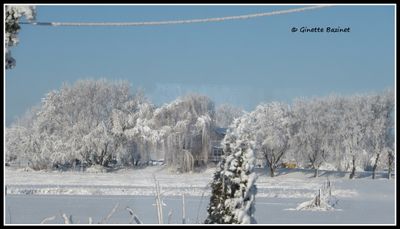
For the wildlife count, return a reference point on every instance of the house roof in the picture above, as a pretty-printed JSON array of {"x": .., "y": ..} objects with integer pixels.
[{"x": 221, "y": 130}]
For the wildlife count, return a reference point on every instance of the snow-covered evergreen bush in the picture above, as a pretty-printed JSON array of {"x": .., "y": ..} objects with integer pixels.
[
  {"x": 239, "y": 181},
  {"x": 216, "y": 207},
  {"x": 233, "y": 188}
]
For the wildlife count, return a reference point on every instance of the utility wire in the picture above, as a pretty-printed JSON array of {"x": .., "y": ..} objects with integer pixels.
[{"x": 188, "y": 21}]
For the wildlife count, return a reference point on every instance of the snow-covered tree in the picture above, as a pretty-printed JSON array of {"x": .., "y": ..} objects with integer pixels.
[
  {"x": 185, "y": 126},
  {"x": 16, "y": 136},
  {"x": 179, "y": 131},
  {"x": 15, "y": 141},
  {"x": 271, "y": 125},
  {"x": 226, "y": 113},
  {"x": 216, "y": 207},
  {"x": 13, "y": 14},
  {"x": 352, "y": 129},
  {"x": 74, "y": 123},
  {"x": 378, "y": 132},
  {"x": 100, "y": 142},
  {"x": 313, "y": 131},
  {"x": 133, "y": 128},
  {"x": 239, "y": 181},
  {"x": 336, "y": 113},
  {"x": 233, "y": 188}
]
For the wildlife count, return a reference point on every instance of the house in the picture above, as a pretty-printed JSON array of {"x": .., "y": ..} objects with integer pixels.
[{"x": 216, "y": 148}]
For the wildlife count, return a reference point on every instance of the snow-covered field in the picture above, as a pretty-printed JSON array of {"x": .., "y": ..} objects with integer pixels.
[{"x": 33, "y": 196}]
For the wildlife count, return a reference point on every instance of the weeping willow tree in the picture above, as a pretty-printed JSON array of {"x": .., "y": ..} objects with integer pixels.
[
  {"x": 180, "y": 130},
  {"x": 175, "y": 153},
  {"x": 188, "y": 122}
]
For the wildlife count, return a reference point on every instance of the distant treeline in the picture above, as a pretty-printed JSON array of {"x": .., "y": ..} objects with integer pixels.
[{"x": 99, "y": 122}]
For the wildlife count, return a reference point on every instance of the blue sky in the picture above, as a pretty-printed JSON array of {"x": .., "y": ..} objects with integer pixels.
[{"x": 242, "y": 62}]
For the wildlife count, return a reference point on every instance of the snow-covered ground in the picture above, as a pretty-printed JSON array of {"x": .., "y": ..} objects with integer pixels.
[
  {"x": 287, "y": 184},
  {"x": 361, "y": 200}
]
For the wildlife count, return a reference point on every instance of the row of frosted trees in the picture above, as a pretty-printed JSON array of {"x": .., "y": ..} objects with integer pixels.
[
  {"x": 345, "y": 133},
  {"x": 104, "y": 123}
]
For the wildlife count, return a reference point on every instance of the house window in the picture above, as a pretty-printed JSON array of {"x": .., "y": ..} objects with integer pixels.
[{"x": 217, "y": 153}]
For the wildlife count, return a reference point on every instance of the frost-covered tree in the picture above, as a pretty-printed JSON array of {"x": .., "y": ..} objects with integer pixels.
[
  {"x": 19, "y": 137},
  {"x": 23, "y": 146},
  {"x": 313, "y": 131},
  {"x": 271, "y": 125},
  {"x": 335, "y": 116},
  {"x": 233, "y": 188},
  {"x": 352, "y": 129},
  {"x": 226, "y": 113},
  {"x": 12, "y": 16},
  {"x": 179, "y": 131},
  {"x": 15, "y": 138},
  {"x": 185, "y": 126},
  {"x": 133, "y": 127},
  {"x": 101, "y": 143},
  {"x": 378, "y": 132},
  {"x": 73, "y": 125},
  {"x": 74, "y": 114}
]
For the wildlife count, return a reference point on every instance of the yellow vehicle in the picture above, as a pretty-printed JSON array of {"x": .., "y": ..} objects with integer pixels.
[{"x": 289, "y": 165}]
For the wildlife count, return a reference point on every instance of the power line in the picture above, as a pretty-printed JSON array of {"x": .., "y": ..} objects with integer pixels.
[{"x": 188, "y": 21}]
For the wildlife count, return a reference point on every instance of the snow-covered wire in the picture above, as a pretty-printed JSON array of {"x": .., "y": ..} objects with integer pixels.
[{"x": 187, "y": 21}]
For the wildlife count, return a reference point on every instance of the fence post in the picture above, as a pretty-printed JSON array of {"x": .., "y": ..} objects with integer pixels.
[
  {"x": 319, "y": 198},
  {"x": 183, "y": 209},
  {"x": 329, "y": 188}
]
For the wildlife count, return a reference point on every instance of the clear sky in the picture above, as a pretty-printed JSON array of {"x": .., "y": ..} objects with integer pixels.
[{"x": 242, "y": 62}]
